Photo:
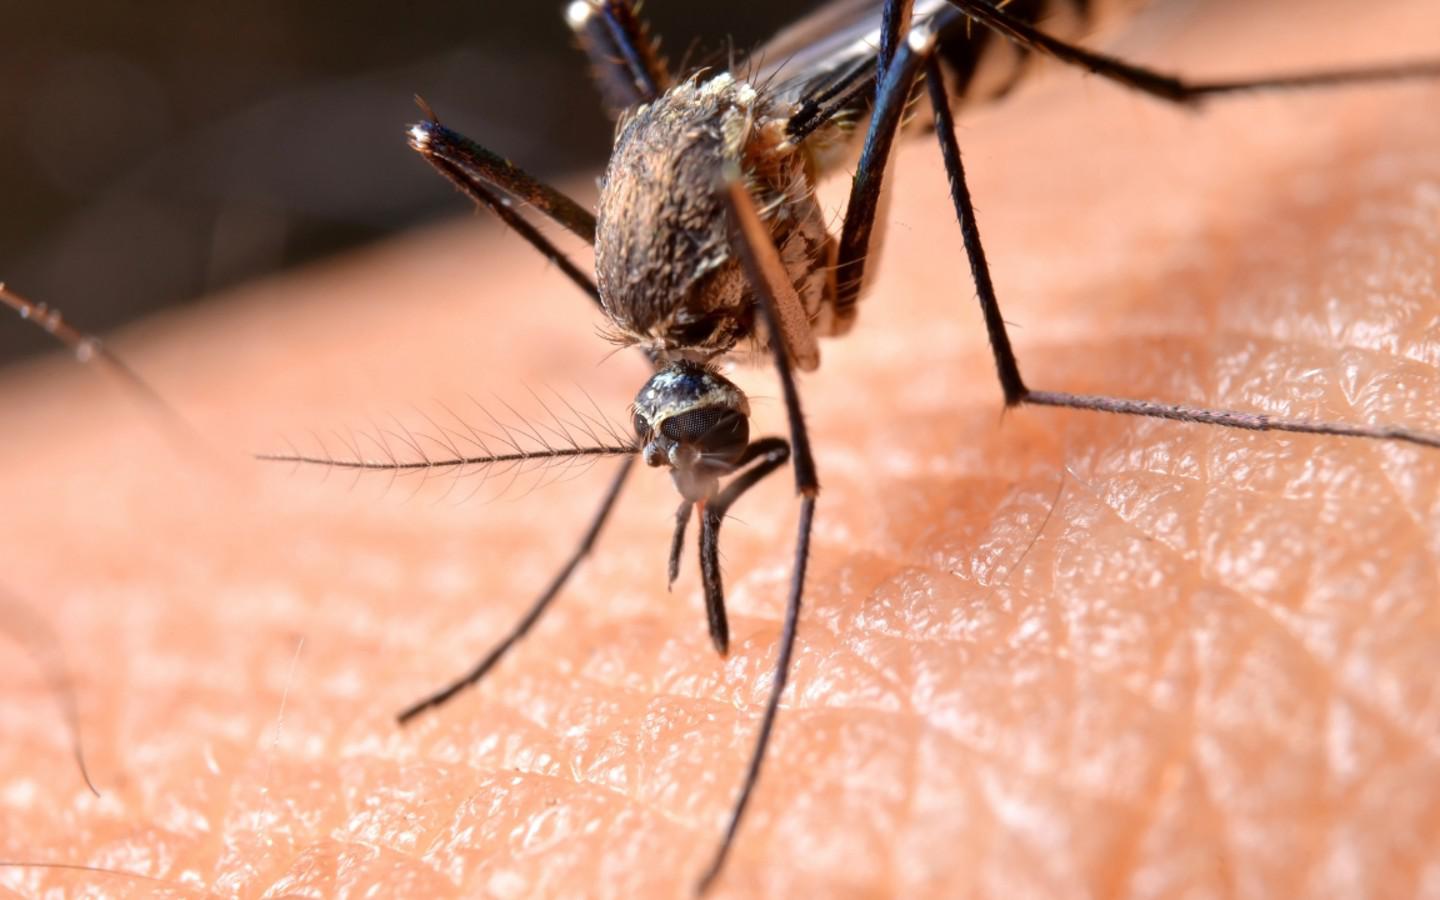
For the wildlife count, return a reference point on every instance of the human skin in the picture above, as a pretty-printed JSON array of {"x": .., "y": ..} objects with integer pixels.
[{"x": 1042, "y": 653}]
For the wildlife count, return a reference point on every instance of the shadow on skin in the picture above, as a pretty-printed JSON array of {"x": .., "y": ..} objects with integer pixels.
[{"x": 1044, "y": 653}]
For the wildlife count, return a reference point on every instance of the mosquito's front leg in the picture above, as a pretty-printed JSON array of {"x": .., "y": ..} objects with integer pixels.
[
  {"x": 475, "y": 170},
  {"x": 537, "y": 608},
  {"x": 751, "y": 243},
  {"x": 767, "y": 454}
]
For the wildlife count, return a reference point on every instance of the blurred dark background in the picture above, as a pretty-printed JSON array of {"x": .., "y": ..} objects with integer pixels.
[{"x": 153, "y": 152}]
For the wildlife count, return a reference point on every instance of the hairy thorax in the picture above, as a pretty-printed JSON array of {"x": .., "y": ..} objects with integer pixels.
[{"x": 666, "y": 275}]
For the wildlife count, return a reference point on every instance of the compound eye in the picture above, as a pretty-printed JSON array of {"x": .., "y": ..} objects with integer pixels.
[{"x": 720, "y": 434}]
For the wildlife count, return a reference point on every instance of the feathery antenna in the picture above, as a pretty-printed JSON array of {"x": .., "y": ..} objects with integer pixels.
[{"x": 562, "y": 438}]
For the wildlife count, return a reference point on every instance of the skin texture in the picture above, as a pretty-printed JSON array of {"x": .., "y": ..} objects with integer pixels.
[{"x": 1044, "y": 653}]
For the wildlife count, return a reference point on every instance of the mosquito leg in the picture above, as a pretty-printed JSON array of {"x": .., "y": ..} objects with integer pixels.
[
  {"x": 1170, "y": 87},
  {"x": 479, "y": 191},
  {"x": 772, "y": 702},
  {"x": 766, "y": 273},
  {"x": 473, "y": 163},
  {"x": 474, "y": 170},
  {"x": 1228, "y": 418},
  {"x": 1016, "y": 392},
  {"x": 537, "y": 609},
  {"x": 677, "y": 543},
  {"x": 894, "y": 25},
  {"x": 762, "y": 263},
  {"x": 768, "y": 454},
  {"x": 624, "y": 59},
  {"x": 865, "y": 189},
  {"x": 483, "y": 196},
  {"x": 1006, "y": 366},
  {"x": 88, "y": 348}
]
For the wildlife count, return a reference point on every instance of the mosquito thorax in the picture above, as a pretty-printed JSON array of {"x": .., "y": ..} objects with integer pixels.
[
  {"x": 694, "y": 420},
  {"x": 663, "y": 261}
]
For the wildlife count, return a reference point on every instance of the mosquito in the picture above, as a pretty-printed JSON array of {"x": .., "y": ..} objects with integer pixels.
[
  {"x": 710, "y": 246},
  {"x": 24, "y": 623}
]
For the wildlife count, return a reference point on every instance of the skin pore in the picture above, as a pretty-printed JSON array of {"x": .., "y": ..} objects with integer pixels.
[{"x": 1043, "y": 653}]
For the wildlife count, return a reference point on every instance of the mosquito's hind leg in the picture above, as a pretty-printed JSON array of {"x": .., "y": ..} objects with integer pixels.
[
  {"x": 1171, "y": 87},
  {"x": 625, "y": 59},
  {"x": 767, "y": 454},
  {"x": 1008, "y": 368}
]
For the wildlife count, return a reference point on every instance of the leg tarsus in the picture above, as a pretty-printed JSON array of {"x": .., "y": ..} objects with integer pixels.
[
  {"x": 1228, "y": 418},
  {"x": 87, "y": 348}
]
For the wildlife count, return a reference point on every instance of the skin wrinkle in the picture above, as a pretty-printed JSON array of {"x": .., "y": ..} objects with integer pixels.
[
  {"x": 609, "y": 794},
  {"x": 1123, "y": 860},
  {"x": 1221, "y": 860},
  {"x": 1318, "y": 665},
  {"x": 1066, "y": 727},
  {"x": 612, "y": 791},
  {"x": 1254, "y": 602},
  {"x": 1413, "y": 518},
  {"x": 1184, "y": 733},
  {"x": 1059, "y": 655},
  {"x": 753, "y": 709}
]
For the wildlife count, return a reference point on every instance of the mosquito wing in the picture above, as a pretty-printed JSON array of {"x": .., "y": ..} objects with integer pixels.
[
  {"x": 836, "y": 38},
  {"x": 827, "y": 58}
]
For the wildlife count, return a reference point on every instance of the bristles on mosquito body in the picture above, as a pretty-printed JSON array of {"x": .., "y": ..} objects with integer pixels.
[{"x": 493, "y": 443}]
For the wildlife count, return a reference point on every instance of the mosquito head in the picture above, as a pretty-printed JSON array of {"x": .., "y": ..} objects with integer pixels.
[{"x": 694, "y": 420}]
